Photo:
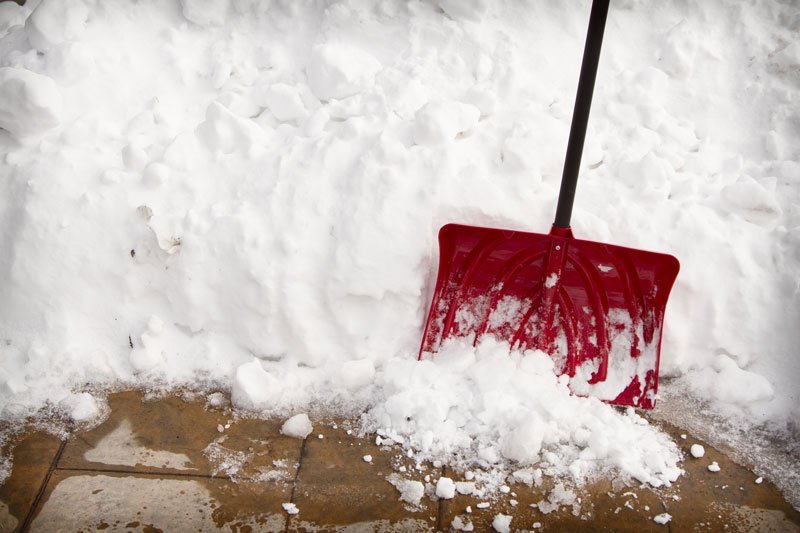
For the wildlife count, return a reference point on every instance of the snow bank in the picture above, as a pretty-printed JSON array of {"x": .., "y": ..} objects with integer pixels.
[{"x": 246, "y": 195}]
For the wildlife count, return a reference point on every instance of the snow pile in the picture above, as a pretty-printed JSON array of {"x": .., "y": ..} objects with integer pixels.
[
  {"x": 490, "y": 408},
  {"x": 246, "y": 195}
]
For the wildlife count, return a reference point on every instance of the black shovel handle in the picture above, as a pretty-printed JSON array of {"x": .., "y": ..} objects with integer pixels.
[{"x": 580, "y": 115}]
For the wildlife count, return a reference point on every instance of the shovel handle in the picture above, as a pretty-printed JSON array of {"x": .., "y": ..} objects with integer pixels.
[{"x": 580, "y": 115}]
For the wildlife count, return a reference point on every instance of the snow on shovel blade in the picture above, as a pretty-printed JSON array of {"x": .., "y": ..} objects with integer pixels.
[{"x": 596, "y": 308}]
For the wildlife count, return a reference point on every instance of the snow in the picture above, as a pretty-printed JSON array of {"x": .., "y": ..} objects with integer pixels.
[
  {"x": 411, "y": 491},
  {"x": 662, "y": 518},
  {"x": 299, "y": 426},
  {"x": 367, "y": 458},
  {"x": 697, "y": 451},
  {"x": 713, "y": 467},
  {"x": 502, "y": 523},
  {"x": 30, "y": 104},
  {"x": 290, "y": 508},
  {"x": 461, "y": 524},
  {"x": 445, "y": 488},
  {"x": 260, "y": 216}
]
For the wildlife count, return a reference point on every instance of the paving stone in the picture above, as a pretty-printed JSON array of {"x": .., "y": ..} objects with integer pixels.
[
  {"x": 175, "y": 436},
  {"x": 33, "y": 455},
  {"x": 336, "y": 487},
  {"x": 84, "y": 501}
]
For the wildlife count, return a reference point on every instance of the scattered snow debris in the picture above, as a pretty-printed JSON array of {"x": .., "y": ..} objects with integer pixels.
[
  {"x": 224, "y": 460},
  {"x": 646, "y": 507},
  {"x": 469, "y": 475},
  {"x": 662, "y": 518},
  {"x": 298, "y": 426},
  {"x": 469, "y": 508},
  {"x": 411, "y": 491},
  {"x": 630, "y": 494},
  {"x": 216, "y": 399},
  {"x": 290, "y": 508},
  {"x": 683, "y": 436},
  {"x": 445, "y": 488},
  {"x": 559, "y": 496},
  {"x": 437, "y": 463},
  {"x": 427, "y": 478},
  {"x": 513, "y": 503},
  {"x": 349, "y": 432},
  {"x": 367, "y": 458},
  {"x": 505, "y": 489},
  {"x": 502, "y": 523},
  {"x": 320, "y": 436},
  {"x": 483, "y": 505},
  {"x": 713, "y": 467},
  {"x": 537, "y": 525},
  {"x": 759, "y": 480},
  {"x": 335, "y": 426},
  {"x": 697, "y": 450},
  {"x": 378, "y": 440},
  {"x": 402, "y": 469},
  {"x": 220, "y": 428},
  {"x": 528, "y": 476},
  {"x": 465, "y": 487},
  {"x": 460, "y": 524}
]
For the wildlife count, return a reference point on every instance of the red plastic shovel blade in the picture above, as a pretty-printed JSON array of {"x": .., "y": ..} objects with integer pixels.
[{"x": 596, "y": 308}]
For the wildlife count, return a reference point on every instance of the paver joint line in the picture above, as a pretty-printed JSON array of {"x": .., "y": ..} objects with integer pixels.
[
  {"x": 296, "y": 476},
  {"x": 26, "y": 525},
  {"x": 140, "y": 472}
]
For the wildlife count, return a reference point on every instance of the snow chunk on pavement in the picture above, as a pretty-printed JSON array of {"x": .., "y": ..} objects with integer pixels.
[
  {"x": 298, "y": 426},
  {"x": 253, "y": 387},
  {"x": 290, "y": 508},
  {"x": 54, "y": 21},
  {"x": 339, "y": 71},
  {"x": 410, "y": 491},
  {"x": 440, "y": 122},
  {"x": 502, "y": 523},
  {"x": 445, "y": 488},
  {"x": 713, "y": 467},
  {"x": 30, "y": 103},
  {"x": 662, "y": 519},
  {"x": 460, "y": 524},
  {"x": 697, "y": 450},
  {"x": 205, "y": 12}
]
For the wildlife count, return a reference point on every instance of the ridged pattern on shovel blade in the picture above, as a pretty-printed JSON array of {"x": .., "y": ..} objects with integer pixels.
[{"x": 605, "y": 304}]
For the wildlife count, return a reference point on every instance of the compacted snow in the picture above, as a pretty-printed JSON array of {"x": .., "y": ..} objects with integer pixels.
[{"x": 246, "y": 195}]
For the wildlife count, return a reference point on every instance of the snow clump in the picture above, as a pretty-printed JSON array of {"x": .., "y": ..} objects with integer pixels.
[
  {"x": 298, "y": 426},
  {"x": 697, "y": 451},
  {"x": 30, "y": 103}
]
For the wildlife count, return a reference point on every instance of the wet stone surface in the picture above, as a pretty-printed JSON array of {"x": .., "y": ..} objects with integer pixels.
[{"x": 178, "y": 463}]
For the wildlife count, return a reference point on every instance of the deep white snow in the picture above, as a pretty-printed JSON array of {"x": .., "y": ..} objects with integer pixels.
[{"x": 246, "y": 195}]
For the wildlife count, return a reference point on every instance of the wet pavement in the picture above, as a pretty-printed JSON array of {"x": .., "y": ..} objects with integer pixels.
[{"x": 181, "y": 464}]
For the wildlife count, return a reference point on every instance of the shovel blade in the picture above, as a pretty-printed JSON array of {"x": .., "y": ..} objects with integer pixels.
[{"x": 597, "y": 309}]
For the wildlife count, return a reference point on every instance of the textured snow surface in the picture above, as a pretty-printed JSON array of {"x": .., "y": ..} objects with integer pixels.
[{"x": 246, "y": 195}]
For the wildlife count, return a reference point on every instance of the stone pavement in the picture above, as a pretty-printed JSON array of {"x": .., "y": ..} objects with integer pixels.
[{"x": 180, "y": 464}]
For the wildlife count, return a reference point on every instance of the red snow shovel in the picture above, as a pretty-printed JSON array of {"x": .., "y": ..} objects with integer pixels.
[{"x": 597, "y": 309}]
